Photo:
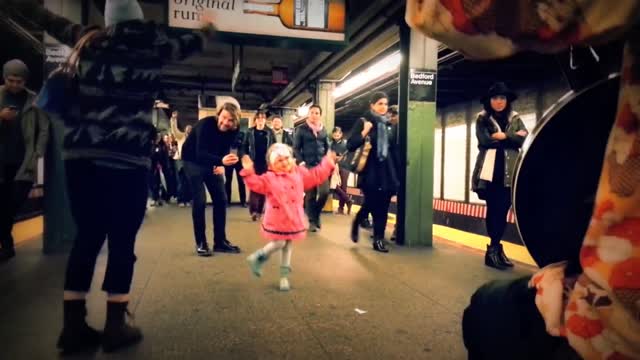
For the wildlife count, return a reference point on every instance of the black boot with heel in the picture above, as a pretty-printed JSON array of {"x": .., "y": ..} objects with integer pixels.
[
  {"x": 503, "y": 257},
  {"x": 117, "y": 333},
  {"x": 77, "y": 336},
  {"x": 492, "y": 257}
]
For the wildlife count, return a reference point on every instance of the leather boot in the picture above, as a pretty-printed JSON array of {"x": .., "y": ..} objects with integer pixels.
[
  {"x": 492, "y": 258},
  {"x": 378, "y": 245},
  {"x": 77, "y": 335},
  {"x": 117, "y": 333},
  {"x": 503, "y": 257}
]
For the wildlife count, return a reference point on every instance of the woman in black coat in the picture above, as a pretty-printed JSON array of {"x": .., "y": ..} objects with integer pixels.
[
  {"x": 379, "y": 178},
  {"x": 500, "y": 133}
]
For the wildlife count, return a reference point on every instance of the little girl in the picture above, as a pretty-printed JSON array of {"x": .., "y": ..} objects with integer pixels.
[{"x": 284, "y": 219}]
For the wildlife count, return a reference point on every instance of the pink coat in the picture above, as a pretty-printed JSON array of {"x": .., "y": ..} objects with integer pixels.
[{"x": 284, "y": 217}]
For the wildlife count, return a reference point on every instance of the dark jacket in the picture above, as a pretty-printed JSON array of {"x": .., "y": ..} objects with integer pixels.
[
  {"x": 511, "y": 147},
  {"x": 249, "y": 144},
  {"x": 287, "y": 138},
  {"x": 118, "y": 82},
  {"x": 207, "y": 145},
  {"x": 308, "y": 148},
  {"x": 377, "y": 175},
  {"x": 35, "y": 131},
  {"x": 339, "y": 147}
]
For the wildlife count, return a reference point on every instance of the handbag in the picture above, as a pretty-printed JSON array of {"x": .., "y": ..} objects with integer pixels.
[
  {"x": 488, "y": 165},
  {"x": 61, "y": 87},
  {"x": 355, "y": 161}
]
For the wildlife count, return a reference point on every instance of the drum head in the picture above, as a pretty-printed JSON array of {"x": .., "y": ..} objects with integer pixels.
[{"x": 556, "y": 180}]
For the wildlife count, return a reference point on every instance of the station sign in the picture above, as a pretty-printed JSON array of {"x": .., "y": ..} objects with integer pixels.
[
  {"x": 323, "y": 20},
  {"x": 422, "y": 85}
]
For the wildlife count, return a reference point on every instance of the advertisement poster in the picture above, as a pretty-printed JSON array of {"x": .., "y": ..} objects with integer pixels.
[{"x": 304, "y": 19}]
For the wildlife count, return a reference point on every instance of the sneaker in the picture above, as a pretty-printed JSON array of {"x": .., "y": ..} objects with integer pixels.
[
  {"x": 313, "y": 228},
  {"x": 203, "y": 251},
  {"x": 284, "y": 284},
  {"x": 181, "y": 205},
  {"x": 256, "y": 261}
]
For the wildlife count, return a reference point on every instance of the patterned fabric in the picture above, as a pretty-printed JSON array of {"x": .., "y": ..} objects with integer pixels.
[
  {"x": 599, "y": 310},
  {"x": 118, "y": 82}
]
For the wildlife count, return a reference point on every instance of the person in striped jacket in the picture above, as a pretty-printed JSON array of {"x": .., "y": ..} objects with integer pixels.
[{"x": 108, "y": 136}]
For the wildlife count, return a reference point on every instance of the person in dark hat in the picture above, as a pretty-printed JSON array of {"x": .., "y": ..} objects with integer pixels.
[
  {"x": 24, "y": 130},
  {"x": 500, "y": 133}
]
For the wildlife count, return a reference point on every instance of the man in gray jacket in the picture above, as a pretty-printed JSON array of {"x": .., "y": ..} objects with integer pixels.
[{"x": 24, "y": 130}]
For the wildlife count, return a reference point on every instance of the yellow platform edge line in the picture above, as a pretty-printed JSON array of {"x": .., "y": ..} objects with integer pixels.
[
  {"x": 515, "y": 252},
  {"x": 27, "y": 229}
]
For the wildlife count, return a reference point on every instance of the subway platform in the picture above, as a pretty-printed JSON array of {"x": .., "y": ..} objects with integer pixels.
[{"x": 346, "y": 301}]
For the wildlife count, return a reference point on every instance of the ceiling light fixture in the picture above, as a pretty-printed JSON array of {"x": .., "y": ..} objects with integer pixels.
[{"x": 376, "y": 71}]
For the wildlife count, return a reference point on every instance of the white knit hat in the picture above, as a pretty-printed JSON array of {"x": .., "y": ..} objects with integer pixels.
[
  {"x": 279, "y": 149},
  {"x": 117, "y": 11}
]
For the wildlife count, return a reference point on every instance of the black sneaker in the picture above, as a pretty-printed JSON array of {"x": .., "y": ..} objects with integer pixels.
[
  {"x": 226, "y": 247},
  {"x": 203, "y": 251},
  {"x": 366, "y": 224}
]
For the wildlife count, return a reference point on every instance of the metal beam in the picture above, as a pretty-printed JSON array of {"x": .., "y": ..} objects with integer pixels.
[{"x": 365, "y": 25}]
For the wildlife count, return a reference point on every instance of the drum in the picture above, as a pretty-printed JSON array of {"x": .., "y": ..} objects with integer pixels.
[{"x": 559, "y": 168}]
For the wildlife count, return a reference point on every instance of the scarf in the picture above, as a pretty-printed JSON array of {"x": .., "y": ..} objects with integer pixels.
[
  {"x": 315, "y": 128},
  {"x": 382, "y": 134}
]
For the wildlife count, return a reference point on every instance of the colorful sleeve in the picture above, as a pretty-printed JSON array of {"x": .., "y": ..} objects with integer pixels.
[
  {"x": 599, "y": 312},
  {"x": 478, "y": 30}
]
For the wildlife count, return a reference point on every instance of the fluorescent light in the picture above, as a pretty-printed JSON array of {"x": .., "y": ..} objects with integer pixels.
[{"x": 376, "y": 71}]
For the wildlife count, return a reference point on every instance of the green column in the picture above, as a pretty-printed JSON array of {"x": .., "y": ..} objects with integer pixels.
[
  {"x": 59, "y": 228},
  {"x": 417, "y": 105}
]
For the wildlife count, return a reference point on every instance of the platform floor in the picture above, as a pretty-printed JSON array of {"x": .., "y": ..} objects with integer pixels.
[{"x": 213, "y": 308}]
